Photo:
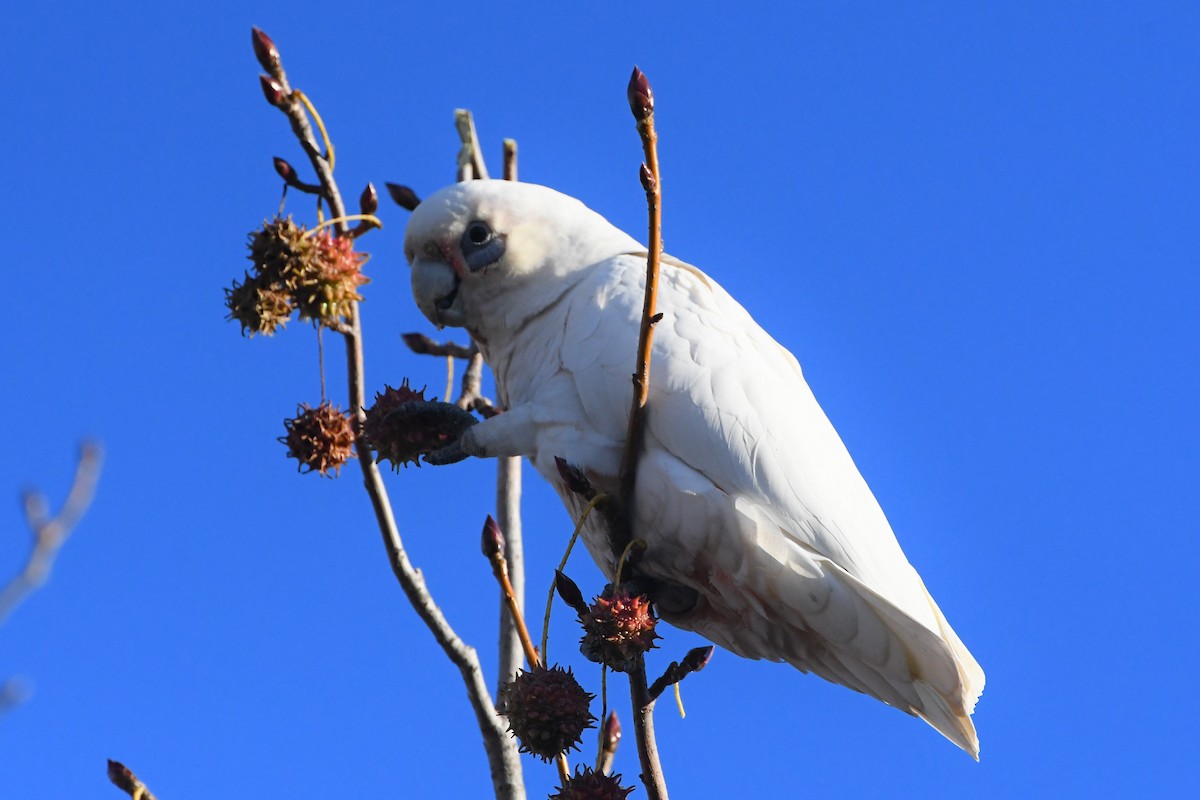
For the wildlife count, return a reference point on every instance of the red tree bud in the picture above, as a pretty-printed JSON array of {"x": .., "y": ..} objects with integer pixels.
[
  {"x": 612, "y": 732},
  {"x": 569, "y": 592},
  {"x": 265, "y": 50},
  {"x": 641, "y": 98},
  {"x": 273, "y": 91},
  {"x": 697, "y": 658},
  {"x": 284, "y": 169},
  {"x": 648, "y": 181},
  {"x": 403, "y": 196},
  {"x": 121, "y": 776},
  {"x": 492, "y": 539},
  {"x": 368, "y": 201}
]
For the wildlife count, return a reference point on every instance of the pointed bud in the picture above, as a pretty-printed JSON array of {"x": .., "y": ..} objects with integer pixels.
[
  {"x": 574, "y": 478},
  {"x": 368, "y": 201},
  {"x": 403, "y": 196},
  {"x": 647, "y": 178},
  {"x": 265, "y": 50},
  {"x": 697, "y": 659},
  {"x": 284, "y": 169},
  {"x": 272, "y": 91},
  {"x": 611, "y": 732},
  {"x": 641, "y": 98},
  {"x": 492, "y": 540},
  {"x": 568, "y": 590},
  {"x": 121, "y": 776}
]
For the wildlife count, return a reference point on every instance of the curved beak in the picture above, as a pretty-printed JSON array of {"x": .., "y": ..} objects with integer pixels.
[{"x": 435, "y": 288}]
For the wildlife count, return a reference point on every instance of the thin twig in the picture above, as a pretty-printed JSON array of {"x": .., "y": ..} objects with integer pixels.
[
  {"x": 470, "y": 397},
  {"x": 472, "y": 380},
  {"x": 695, "y": 660},
  {"x": 643, "y": 726},
  {"x": 124, "y": 779},
  {"x": 508, "y": 512},
  {"x": 469, "y": 156},
  {"x": 593, "y": 503},
  {"x": 641, "y": 103},
  {"x": 422, "y": 345},
  {"x": 50, "y": 533},
  {"x": 503, "y": 757},
  {"x": 510, "y": 159},
  {"x": 493, "y": 548}
]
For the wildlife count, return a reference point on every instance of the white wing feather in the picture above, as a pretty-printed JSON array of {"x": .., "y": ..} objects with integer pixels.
[{"x": 745, "y": 491}]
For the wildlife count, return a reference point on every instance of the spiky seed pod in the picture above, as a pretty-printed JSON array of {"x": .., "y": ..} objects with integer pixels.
[
  {"x": 317, "y": 274},
  {"x": 259, "y": 309},
  {"x": 319, "y": 438},
  {"x": 331, "y": 283},
  {"x": 402, "y": 425},
  {"x": 547, "y": 710},
  {"x": 618, "y": 629},
  {"x": 392, "y": 445},
  {"x": 587, "y": 784},
  {"x": 284, "y": 257}
]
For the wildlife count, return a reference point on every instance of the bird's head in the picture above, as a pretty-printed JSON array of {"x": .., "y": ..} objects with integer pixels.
[{"x": 515, "y": 245}]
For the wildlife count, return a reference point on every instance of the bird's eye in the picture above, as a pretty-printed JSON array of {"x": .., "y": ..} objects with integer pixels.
[
  {"x": 478, "y": 233},
  {"x": 481, "y": 246}
]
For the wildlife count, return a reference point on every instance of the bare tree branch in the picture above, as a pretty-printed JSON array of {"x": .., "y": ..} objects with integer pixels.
[
  {"x": 50, "y": 533},
  {"x": 508, "y": 514},
  {"x": 470, "y": 157},
  {"x": 641, "y": 103},
  {"x": 695, "y": 660},
  {"x": 493, "y": 548},
  {"x": 501, "y": 750},
  {"x": 422, "y": 345}
]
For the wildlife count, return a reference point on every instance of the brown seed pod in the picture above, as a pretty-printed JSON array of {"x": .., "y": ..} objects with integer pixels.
[
  {"x": 320, "y": 438},
  {"x": 587, "y": 784},
  {"x": 547, "y": 710},
  {"x": 259, "y": 309},
  {"x": 402, "y": 425},
  {"x": 330, "y": 281}
]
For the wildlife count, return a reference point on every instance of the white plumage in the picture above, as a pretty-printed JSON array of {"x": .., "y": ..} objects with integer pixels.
[{"x": 745, "y": 493}]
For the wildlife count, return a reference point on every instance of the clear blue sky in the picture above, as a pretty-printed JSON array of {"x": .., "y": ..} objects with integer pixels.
[{"x": 976, "y": 228}]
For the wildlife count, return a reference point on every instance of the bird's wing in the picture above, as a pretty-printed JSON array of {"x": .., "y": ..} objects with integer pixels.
[{"x": 752, "y": 498}]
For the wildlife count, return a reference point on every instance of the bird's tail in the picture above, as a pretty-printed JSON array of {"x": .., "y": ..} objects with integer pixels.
[{"x": 945, "y": 704}]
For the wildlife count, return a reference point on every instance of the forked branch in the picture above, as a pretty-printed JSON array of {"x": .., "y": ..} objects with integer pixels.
[
  {"x": 51, "y": 532},
  {"x": 501, "y": 751}
]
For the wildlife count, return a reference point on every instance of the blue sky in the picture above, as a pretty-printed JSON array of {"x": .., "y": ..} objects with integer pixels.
[{"x": 975, "y": 227}]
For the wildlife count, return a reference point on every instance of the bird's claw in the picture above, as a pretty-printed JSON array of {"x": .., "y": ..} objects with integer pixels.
[{"x": 450, "y": 454}]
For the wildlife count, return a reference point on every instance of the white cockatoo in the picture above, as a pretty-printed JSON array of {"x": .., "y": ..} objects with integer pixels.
[{"x": 759, "y": 527}]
